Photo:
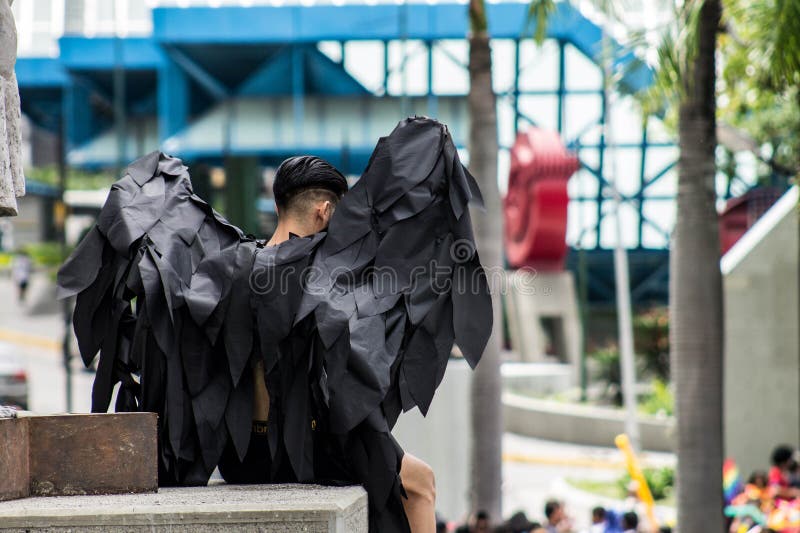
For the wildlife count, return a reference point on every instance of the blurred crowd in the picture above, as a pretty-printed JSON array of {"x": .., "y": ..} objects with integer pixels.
[
  {"x": 555, "y": 520},
  {"x": 769, "y": 502}
]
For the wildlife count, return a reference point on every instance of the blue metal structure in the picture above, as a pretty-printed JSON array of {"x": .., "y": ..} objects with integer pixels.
[{"x": 233, "y": 81}]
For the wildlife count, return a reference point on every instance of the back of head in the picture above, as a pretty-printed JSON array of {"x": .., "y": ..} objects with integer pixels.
[
  {"x": 598, "y": 514},
  {"x": 551, "y": 507},
  {"x": 630, "y": 521},
  {"x": 300, "y": 181},
  {"x": 782, "y": 455}
]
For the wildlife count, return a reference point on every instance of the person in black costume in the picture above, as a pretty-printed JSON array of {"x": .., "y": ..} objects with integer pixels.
[
  {"x": 306, "y": 190},
  {"x": 188, "y": 313}
]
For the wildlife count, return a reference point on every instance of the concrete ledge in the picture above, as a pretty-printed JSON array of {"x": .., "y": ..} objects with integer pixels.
[
  {"x": 216, "y": 508},
  {"x": 580, "y": 424},
  {"x": 537, "y": 379}
]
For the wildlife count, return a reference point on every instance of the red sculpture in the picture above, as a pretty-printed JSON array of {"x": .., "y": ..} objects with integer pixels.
[
  {"x": 742, "y": 212},
  {"x": 535, "y": 207}
]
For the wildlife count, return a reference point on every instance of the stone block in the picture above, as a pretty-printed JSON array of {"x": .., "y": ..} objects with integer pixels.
[
  {"x": 14, "y": 466},
  {"x": 216, "y": 508},
  {"x": 93, "y": 454}
]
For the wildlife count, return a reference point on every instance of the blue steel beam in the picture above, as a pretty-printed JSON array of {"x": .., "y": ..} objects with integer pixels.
[
  {"x": 298, "y": 92},
  {"x": 642, "y": 180},
  {"x": 562, "y": 85},
  {"x": 213, "y": 86},
  {"x": 84, "y": 53},
  {"x": 173, "y": 100},
  {"x": 41, "y": 72},
  {"x": 601, "y": 162},
  {"x": 515, "y": 86},
  {"x": 426, "y": 22}
]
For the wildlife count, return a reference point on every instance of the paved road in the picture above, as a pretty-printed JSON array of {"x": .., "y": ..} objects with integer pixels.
[
  {"x": 534, "y": 470},
  {"x": 37, "y": 338}
]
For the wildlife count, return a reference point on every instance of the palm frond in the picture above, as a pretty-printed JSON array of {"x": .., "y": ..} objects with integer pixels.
[{"x": 539, "y": 12}]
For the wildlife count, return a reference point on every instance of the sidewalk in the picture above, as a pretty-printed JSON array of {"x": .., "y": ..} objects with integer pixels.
[{"x": 17, "y": 326}]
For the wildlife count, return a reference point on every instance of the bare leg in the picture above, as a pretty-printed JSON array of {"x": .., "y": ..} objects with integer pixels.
[
  {"x": 419, "y": 483},
  {"x": 260, "y": 394}
]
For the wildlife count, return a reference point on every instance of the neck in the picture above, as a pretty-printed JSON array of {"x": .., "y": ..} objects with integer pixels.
[{"x": 285, "y": 227}]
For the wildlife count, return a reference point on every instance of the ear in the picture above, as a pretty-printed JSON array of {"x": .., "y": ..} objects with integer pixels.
[{"x": 324, "y": 212}]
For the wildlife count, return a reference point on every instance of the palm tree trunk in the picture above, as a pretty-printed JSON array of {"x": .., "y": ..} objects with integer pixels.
[
  {"x": 487, "y": 425},
  {"x": 696, "y": 295}
]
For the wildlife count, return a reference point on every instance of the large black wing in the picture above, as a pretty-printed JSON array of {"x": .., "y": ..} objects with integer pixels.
[
  {"x": 162, "y": 285},
  {"x": 398, "y": 279},
  {"x": 394, "y": 285}
]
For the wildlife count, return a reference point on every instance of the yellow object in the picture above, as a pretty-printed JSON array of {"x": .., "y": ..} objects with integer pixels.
[
  {"x": 59, "y": 213},
  {"x": 635, "y": 471}
]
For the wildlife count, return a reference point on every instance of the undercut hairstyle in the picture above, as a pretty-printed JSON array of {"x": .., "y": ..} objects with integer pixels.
[{"x": 303, "y": 180}]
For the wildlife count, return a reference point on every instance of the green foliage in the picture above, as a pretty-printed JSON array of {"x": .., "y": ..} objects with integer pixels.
[
  {"x": 606, "y": 361},
  {"x": 539, "y": 12},
  {"x": 660, "y": 480},
  {"x": 651, "y": 342},
  {"x": 768, "y": 32},
  {"x": 758, "y": 86},
  {"x": 606, "y": 489},
  {"x": 45, "y": 254},
  {"x": 660, "y": 402},
  {"x": 76, "y": 179}
]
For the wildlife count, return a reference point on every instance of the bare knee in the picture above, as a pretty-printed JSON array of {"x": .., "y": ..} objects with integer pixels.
[{"x": 418, "y": 479}]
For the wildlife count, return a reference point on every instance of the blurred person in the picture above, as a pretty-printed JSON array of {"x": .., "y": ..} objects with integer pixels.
[
  {"x": 780, "y": 474},
  {"x": 478, "y": 523},
  {"x": 758, "y": 479},
  {"x": 21, "y": 272},
  {"x": 598, "y": 520},
  {"x": 630, "y": 522},
  {"x": 441, "y": 524},
  {"x": 557, "y": 519},
  {"x": 794, "y": 473},
  {"x": 741, "y": 523},
  {"x": 482, "y": 523},
  {"x": 518, "y": 523}
]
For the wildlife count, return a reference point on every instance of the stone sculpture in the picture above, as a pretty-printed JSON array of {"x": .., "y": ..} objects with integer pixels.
[{"x": 12, "y": 180}]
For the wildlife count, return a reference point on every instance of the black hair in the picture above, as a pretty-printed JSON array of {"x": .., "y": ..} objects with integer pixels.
[
  {"x": 481, "y": 515},
  {"x": 305, "y": 172},
  {"x": 782, "y": 454},
  {"x": 630, "y": 520},
  {"x": 551, "y": 507},
  {"x": 599, "y": 512}
]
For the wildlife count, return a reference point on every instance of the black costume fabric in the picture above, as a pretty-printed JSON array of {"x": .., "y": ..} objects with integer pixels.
[{"x": 354, "y": 326}]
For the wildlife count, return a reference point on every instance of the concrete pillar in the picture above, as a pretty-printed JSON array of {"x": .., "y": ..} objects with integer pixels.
[{"x": 443, "y": 440}]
